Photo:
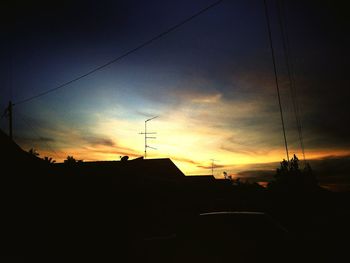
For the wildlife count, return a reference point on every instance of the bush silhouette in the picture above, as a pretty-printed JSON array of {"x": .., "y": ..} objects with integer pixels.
[
  {"x": 70, "y": 161},
  {"x": 289, "y": 177},
  {"x": 49, "y": 160},
  {"x": 33, "y": 152}
]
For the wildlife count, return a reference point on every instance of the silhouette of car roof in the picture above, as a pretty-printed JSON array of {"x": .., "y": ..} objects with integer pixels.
[
  {"x": 245, "y": 215},
  {"x": 243, "y": 236}
]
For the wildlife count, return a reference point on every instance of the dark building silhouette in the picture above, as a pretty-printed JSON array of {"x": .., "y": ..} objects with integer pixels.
[
  {"x": 147, "y": 210},
  {"x": 160, "y": 169}
]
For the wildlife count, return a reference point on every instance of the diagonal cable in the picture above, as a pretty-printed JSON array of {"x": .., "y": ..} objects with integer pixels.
[{"x": 144, "y": 44}]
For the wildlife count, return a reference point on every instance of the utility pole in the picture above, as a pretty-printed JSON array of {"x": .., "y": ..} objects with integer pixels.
[
  {"x": 10, "y": 119},
  {"x": 8, "y": 113},
  {"x": 148, "y": 137}
]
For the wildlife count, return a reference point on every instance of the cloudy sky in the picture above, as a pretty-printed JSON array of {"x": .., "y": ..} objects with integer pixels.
[{"x": 210, "y": 81}]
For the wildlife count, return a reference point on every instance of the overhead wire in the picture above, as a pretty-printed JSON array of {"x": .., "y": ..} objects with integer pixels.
[
  {"x": 11, "y": 70},
  {"x": 276, "y": 77},
  {"x": 173, "y": 28},
  {"x": 290, "y": 71},
  {"x": 138, "y": 47}
]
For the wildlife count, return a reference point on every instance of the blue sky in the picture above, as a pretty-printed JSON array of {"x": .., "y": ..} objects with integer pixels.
[{"x": 210, "y": 82}]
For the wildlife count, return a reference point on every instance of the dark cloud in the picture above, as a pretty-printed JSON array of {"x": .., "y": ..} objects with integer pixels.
[
  {"x": 59, "y": 18},
  {"x": 35, "y": 140},
  {"x": 331, "y": 167},
  {"x": 320, "y": 55},
  {"x": 46, "y": 139},
  {"x": 256, "y": 175},
  {"x": 208, "y": 167},
  {"x": 118, "y": 151},
  {"x": 325, "y": 108},
  {"x": 184, "y": 160},
  {"x": 94, "y": 140},
  {"x": 331, "y": 171},
  {"x": 243, "y": 150}
]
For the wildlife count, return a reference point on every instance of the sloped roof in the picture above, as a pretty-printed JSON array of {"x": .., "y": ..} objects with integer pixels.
[
  {"x": 160, "y": 169},
  {"x": 13, "y": 158},
  {"x": 157, "y": 166},
  {"x": 8, "y": 147}
]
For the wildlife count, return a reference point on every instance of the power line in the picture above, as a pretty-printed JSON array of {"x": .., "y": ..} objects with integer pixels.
[
  {"x": 144, "y": 44},
  {"x": 290, "y": 71},
  {"x": 276, "y": 78},
  {"x": 11, "y": 72}
]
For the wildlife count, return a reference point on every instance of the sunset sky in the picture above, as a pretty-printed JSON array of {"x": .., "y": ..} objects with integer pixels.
[{"x": 210, "y": 81}]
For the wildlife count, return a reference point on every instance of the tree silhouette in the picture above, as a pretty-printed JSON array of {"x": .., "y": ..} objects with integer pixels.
[
  {"x": 33, "y": 152},
  {"x": 124, "y": 158},
  {"x": 289, "y": 176},
  {"x": 71, "y": 160},
  {"x": 49, "y": 160}
]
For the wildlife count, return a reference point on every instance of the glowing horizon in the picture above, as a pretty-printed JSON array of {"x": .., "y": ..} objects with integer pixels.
[
  {"x": 211, "y": 83},
  {"x": 190, "y": 147}
]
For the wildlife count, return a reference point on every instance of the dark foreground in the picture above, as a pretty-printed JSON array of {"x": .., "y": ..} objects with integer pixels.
[
  {"x": 140, "y": 222},
  {"x": 108, "y": 217}
]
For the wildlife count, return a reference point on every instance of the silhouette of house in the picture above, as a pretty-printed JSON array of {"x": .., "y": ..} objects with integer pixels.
[
  {"x": 19, "y": 173},
  {"x": 203, "y": 179},
  {"x": 158, "y": 168},
  {"x": 136, "y": 170},
  {"x": 19, "y": 166},
  {"x": 11, "y": 154}
]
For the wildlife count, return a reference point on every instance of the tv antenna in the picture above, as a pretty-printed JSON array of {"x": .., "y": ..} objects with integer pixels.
[
  {"x": 148, "y": 137},
  {"x": 212, "y": 166}
]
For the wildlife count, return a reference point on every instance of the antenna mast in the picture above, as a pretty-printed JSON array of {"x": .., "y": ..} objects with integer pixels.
[
  {"x": 212, "y": 166},
  {"x": 148, "y": 137}
]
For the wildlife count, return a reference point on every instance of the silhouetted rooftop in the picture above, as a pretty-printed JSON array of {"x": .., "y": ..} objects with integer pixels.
[
  {"x": 162, "y": 168},
  {"x": 11, "y": 153}
]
